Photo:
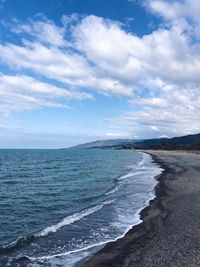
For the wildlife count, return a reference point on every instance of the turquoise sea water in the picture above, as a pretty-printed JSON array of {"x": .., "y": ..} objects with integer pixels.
[{"x": 58, "y": 206}]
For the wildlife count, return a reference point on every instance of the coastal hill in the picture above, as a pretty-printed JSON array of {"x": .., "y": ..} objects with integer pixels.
[
  {"x": 187, "y": 142},
  {"x": 108, "y": 143}
]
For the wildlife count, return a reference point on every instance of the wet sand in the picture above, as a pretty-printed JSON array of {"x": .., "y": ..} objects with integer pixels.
[{"x": 169, "y": 235}]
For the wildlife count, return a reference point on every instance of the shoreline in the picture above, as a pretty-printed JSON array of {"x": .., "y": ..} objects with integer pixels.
[
  {"x": 129, "y": 249},
  {"x": 26, "y": 258}
]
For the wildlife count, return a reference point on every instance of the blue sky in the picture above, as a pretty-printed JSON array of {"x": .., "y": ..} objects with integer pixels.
[{"x": 73, "y": 71}]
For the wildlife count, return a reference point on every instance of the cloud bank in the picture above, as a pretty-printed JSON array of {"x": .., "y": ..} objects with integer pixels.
[{"x": 157, "y": 74}]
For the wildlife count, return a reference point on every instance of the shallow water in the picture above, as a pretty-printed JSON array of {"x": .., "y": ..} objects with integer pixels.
[{"x": 58, "y": 206}]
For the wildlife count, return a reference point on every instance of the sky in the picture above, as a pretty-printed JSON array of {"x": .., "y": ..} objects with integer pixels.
[{"x": 75, "y": 71}]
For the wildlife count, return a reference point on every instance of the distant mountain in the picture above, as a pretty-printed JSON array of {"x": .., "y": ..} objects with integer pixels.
[
  {"x": 116, "y": 143},
  {"x": 188, "y": 142}
]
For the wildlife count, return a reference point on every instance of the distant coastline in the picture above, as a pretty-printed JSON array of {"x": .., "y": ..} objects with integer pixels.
[{"x": 187, "y": 142}]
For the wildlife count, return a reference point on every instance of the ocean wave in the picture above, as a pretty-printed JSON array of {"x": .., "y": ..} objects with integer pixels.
[
  {"x": 48, "y": 257},
  {"x": 21, "y": 241},
  {"x": 128, "y": 175},
  {"x": 72, "y": 218},
  {"x": 45, "y": 259},
  {"x": 145, "y": 157},
  {"x": 113, "y": 190},
  {"x": 136, "y": 221}
]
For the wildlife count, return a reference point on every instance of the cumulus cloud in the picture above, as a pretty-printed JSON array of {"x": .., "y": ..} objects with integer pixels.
[{"x": 158, "y": 73}]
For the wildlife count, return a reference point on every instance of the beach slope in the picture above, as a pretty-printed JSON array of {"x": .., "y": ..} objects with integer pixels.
[{"x": 169, "y": 235}]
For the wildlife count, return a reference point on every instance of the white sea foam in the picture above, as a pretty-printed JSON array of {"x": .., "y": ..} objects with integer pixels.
[
  {"x": 72, "y": 218},
  {"x": 144, "y": 158},
  {"x": 130, "y": 174},
  {"x": 136, "y": 220},
  {"x": 113, "y": 190},
  {"x": 139, "y": 168}
]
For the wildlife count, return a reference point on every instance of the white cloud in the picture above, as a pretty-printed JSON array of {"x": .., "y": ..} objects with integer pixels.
[
  {"x": 180, "y": 116},
  {"x": 183, "y": 13},
  {"x": 45, "y": 31},
  {"x": 50, "y": 62},
  {"x": 155, "y": 128},
  {"x": 167, "y": 10},
  {"x": 165, "y": 53},
  {"x": 154, "y": 102},
  {"x": 173, "y": 10},
  {"x": 118, "y": 134},
  {"x": 24, "y": 92},
  {"x": 70, "y": 68},
  {"x": 110, "y": 48}
]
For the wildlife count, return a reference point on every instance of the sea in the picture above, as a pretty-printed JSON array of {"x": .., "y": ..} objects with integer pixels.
[{"x": 59, "y": 207}]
